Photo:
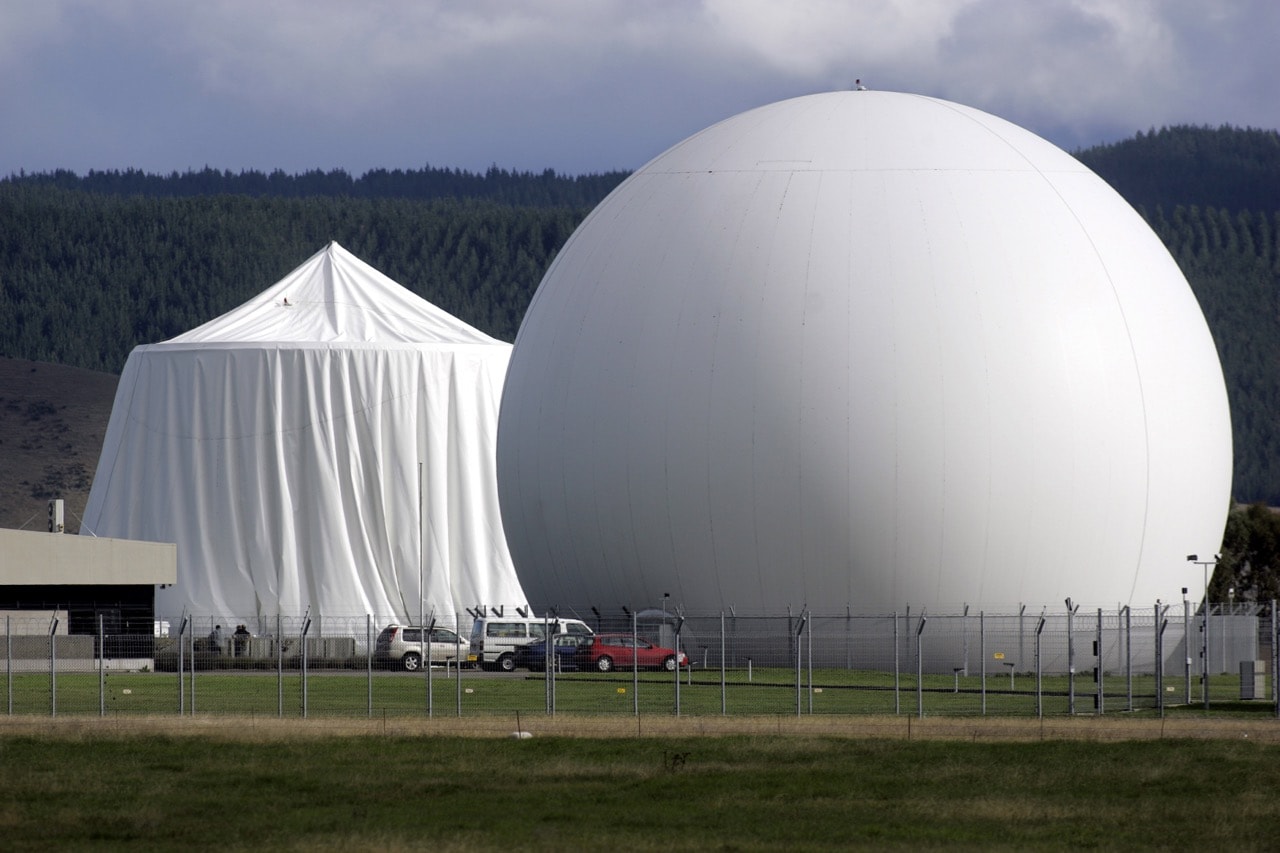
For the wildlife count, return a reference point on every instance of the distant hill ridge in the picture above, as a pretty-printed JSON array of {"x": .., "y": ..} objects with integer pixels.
[
  {"x": 1222, "y": 167},
  {"x": 540, "y": 189}
]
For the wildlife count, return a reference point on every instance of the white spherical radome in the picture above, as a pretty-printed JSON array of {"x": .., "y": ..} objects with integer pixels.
[{"x": 862, "y": 350}]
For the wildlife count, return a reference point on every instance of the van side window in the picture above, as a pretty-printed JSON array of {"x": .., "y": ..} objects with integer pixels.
[{"x": 539, "y": 631}]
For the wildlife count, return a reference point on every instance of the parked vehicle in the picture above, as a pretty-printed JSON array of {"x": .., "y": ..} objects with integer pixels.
[
  {"x": 533, "y": 656},
  {"x": 402, "y": 645},
  {"x": 607, "y": 652},
  {"x": 494, "y": 639}
]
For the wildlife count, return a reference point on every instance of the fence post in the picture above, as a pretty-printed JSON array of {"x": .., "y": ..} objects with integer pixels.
[
  {"x": 723, "y": 687},
  {"x": 897, "y": 695},
  {"x": 302, "y": 661},
  {"x": 102, "y": 669},
  {"x": 920, "y": 665},
  {"x": 279, "y": 665},
  {"x": 1071, "y": 659},
  {"x": 1100, "y": 656},
  {"x": 679, "y": 625},
  {"x": 982, "y": 653},
  {"x": 53, "y": 667},
  {"x": 192, "y": 656},
  {"x": 182, "y": 666},
  {"x": 809, "y": 663},
  {"x": 1128, "y": 654},
  {"x": 8, "y": 661},
  {"x": 457, "y": 664},
  {"x": 1039, "y": 670},
  {"x": 804, "y": 620},
  {"x": 1161, "y": 624},
  {"x": 368, "y": 657},
  {"x": 1275, "y": 658},
  {"x": 635, "y": 670},
  {"x": 426, "y": 660},
  {"x": 1186, "y": 645}
]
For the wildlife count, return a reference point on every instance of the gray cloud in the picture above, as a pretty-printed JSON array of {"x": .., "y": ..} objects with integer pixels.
[{"x": 584, "y": 85}]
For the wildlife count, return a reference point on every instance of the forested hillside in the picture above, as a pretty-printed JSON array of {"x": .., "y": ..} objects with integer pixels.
[
  {"x": 85, "y": 277},
  {"x": 1213, "y": 197},
  {"x": 92, "y": 266}
]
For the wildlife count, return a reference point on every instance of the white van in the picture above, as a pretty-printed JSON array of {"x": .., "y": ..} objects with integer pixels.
[{"x": 494, "y": 638}]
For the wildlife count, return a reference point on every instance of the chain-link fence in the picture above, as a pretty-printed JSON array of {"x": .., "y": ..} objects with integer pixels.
[{"x": 964, "y": 663}]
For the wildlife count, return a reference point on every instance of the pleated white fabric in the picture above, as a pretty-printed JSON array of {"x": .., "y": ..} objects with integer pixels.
[{"x": 279, "y": 446}]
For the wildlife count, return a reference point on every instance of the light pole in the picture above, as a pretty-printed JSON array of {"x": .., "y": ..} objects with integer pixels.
[
  {"x": 1204, "y": 624},
  {"x": 1186, "y": 643}
]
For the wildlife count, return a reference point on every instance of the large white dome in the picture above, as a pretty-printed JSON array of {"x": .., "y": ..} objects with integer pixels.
[{"x": 865, "y": 350}]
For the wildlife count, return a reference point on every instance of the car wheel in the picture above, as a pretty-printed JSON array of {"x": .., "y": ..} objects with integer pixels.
[
  {"x": 411, "y": 662},
  {"x": 604, "y": 664},
  {"x": 507, "y": 663},
  {"x": 670, "y": 663}
]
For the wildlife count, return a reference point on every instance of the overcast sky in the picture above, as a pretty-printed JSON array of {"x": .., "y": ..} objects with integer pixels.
[{"x": 585, "y": 85}]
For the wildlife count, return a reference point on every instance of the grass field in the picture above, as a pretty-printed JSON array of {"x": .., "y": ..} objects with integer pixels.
[
  {"x": 175, "y": 784},
  {"x": 352, "y": 693},
  {"x": 119, "y": 768}
]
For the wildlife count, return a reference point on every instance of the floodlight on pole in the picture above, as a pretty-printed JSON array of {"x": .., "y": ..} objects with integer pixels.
[{"x": 1204, "y": 624}]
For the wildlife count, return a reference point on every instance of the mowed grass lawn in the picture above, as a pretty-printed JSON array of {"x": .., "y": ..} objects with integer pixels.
[{"x": 81, "y": 789}]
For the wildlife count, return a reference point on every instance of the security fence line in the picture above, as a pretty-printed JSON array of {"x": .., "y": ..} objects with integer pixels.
[{"x": 942, "y": 664}]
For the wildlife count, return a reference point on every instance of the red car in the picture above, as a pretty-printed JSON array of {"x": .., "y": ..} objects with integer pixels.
[{"x": 607, "y": 652}]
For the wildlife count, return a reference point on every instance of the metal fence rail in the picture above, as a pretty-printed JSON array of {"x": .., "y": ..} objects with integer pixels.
[{"x": 966, "y": 663}]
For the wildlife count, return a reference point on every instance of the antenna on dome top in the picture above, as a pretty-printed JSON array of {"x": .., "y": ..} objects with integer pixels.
[{"x": 857, "y": 85}]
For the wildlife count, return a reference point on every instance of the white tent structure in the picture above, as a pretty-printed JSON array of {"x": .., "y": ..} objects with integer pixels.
[{"x": 326, "y": 446}]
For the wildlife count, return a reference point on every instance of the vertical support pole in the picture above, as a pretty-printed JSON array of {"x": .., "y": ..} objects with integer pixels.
[
  {"x": 920, "y": 665},
  {"x": 1275, "y": 658},
  {"x": 368, "y": 657},
  {"x": 982, "y": 654},
  {"x": 1100, "y": 657},
  {"x": 279, "y": 665},
  {"x": 723, "y": 684},
  {"x": 1161, "y": 624},
  {"x": 549, "y": 653},
  {"x": 302, "y": 658},
  {"x": 8, "y": 660},
  {"x": 182, "y": 666},
  {"x": 679, "y": 625},
  {"x": 1071, "y": 659},
  {"x": 102, "y": 669},
  {"x": 635, "y": 670},
  {"x": 53, "y": 667},
  {"x": 799, "y": 631},
  {"x": 1186, "y": 643},
  {"x": 897, "y": 674},
  {"x": 1128, "y": 655},
  {"x": 457, "y": 664},
  {"x": 427, "y": 631},
  {"x": 809, "y": 662},
  {"x": 1039, "y": 671}
]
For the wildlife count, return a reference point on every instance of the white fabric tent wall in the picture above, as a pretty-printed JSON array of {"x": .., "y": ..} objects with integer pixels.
[{"x": 280, "y": 447}]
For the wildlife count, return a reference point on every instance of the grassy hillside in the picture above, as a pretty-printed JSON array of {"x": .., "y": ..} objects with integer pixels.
[{"x": 52, "y": 421}]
